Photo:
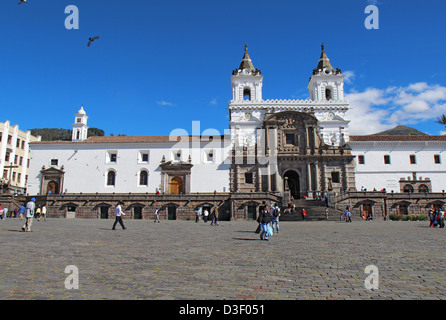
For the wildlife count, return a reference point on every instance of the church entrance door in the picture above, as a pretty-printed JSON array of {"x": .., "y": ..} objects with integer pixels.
[
  {"x": 292, "y": 177},
  {"x": 176, "y": 185},
  {"x": 52, "y": 187}
]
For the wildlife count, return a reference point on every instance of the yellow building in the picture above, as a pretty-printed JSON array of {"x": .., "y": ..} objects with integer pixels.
[{"x": 14, "y": 158}]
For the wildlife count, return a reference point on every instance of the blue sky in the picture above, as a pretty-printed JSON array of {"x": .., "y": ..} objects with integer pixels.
[{"x": 161, "y": 64}]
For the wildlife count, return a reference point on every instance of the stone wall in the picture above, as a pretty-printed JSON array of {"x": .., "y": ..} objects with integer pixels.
[{"x": 384, "y": 203}]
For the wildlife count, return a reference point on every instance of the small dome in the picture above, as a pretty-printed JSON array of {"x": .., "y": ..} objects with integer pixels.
[{"x": 81, "y": 111}]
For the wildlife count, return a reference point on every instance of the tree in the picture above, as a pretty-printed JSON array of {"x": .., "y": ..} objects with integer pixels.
[{"x": 441, "y": 120}]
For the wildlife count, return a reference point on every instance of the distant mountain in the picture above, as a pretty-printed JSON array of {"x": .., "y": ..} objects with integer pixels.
[
  {"x": 52, "y": 134},
  {"x": 401, "y": 131}
]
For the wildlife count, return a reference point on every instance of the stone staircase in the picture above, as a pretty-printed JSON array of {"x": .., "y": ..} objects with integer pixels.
[{"x": 315, "y": 212}]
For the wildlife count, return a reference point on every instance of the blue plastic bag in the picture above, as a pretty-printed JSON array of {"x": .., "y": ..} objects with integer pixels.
[{"x": 270, "y": 231}]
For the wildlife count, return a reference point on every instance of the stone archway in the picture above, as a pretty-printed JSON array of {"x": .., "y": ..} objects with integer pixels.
[{"x": 292, "y": 183}]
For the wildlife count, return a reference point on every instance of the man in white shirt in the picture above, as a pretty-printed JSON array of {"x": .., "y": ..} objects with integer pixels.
[
  {"x": 30, "y": 207},
  {"x": 119, "y": 213}
]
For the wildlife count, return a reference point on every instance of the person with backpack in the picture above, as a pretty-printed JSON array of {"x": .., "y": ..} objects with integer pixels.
[
  {"x": 264, "y": 220},
  {"x": 275, "y": 216}
]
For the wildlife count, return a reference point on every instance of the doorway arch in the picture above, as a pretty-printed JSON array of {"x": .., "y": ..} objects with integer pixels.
[
  {"x": 52, "y": 187},
  {"x": 176, "y": 185},
  {"x": 292, "y": 178}
]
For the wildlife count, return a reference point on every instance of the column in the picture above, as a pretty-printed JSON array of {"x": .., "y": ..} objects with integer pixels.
[
  {"x": 309, "y": 182},
  {"x": 316, "y": 176}
]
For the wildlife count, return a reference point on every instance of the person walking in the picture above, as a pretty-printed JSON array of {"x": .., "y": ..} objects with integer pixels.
[
  {"x": 5, "y": 212},
  {"x": 215, "y": 218},
  {"x": 37, "y": 214},
  {"x": 119, "y": 213},
  {"x": 264, "y": 220},
  {"x": 30, "y": 207},
  {"x": 275, "y": 216},
  {"x": 42, "y": 213},
  {"x": 304, "y": 214},
  {"x": 441, "y": 216},
  {"x": 205, "y": 215},
  {"x": 157, "y": 215},
  {"x": 326, "y": 214},
  {"x": 22, "y": 211},
  {"x": 348, "y": 216}
]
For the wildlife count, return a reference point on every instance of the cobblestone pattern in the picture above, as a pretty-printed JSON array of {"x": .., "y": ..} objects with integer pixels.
[{"x": 188, "y": 260}]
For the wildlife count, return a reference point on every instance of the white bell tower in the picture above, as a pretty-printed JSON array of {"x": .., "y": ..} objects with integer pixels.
[
  {"x": 80, "y": 128},
  {"x": 246, "y": 81},
  {"x": 327, "y": 83}
]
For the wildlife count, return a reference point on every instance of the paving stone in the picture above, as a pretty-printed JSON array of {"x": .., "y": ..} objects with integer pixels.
[{"x": 188, "y": 260}]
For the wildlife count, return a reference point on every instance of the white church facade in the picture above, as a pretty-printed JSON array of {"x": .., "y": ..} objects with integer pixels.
[{"x": 276, "y": 149}]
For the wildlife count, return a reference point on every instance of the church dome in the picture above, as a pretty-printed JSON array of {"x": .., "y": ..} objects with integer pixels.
[{"x": 81, "y": 111}]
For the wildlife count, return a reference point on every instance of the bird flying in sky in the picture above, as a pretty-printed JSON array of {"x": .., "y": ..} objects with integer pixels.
[
  {"x": 22, "y": 1},
  {"x": 90, "y": 40}
]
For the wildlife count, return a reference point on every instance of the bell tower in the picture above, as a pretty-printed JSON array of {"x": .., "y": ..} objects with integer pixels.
[
  {"x": 246, "y": 81},
  {"x": 80, "y": 128},
  {"x": 327, "y": 83}
]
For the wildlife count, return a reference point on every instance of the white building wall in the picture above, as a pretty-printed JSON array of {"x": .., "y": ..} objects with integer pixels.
[
  {"x": 86, "y": 166},
  {"x": 374, "y": 173}
]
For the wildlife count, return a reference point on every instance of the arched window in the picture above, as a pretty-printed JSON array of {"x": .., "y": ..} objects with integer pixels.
[
  {"x": 328, "y": 94},
  {"x": 423, "y": 188},
  {"x": 111, "y": 177},
  {"x": 408, "y": 188},
  {"x": 143, "y": 178},
  {"x": 247, "y": 94}
]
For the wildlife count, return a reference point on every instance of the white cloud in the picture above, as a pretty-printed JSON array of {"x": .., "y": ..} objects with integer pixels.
[
  {"x": 375, "y": 110},
  {"x": 348, "y": 76},
  {"x": 365, "y": 115},
  {"x": 165, "y": 103},
  {"x": 213, "y": 101}
]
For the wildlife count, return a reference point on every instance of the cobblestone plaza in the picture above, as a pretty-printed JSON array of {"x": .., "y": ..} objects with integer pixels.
[{"x": 197, "y": 261}]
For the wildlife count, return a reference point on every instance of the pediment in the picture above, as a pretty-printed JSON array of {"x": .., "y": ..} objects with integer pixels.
[
  {"x": 52, "y": 170},
  {"x": 179, "y": 165}
]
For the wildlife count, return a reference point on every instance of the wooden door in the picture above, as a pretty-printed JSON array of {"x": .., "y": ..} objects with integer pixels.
[
  {"x": 366, "y": 210},
  {"x": 52, "y": 188},
  {"x": 176, "y": 185}
]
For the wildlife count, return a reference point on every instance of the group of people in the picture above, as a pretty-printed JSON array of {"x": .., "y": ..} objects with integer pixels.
[
  {"x": 214, "y": 216},
  {"x": 268, "y": 219},
  {"x": 347, "y": 215},
  {"x": 436, "y": 218},
  {"x": 27, "y": 211}
]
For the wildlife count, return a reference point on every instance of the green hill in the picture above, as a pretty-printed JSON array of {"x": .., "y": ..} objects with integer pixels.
[
  {"x": 52, "y": 134},
  {"x": 401, "y": 131}
]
